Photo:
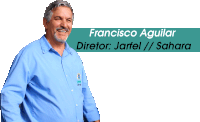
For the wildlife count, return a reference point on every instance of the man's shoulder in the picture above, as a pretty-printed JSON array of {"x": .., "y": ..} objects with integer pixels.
[
  {"x": 30, "y": 48},
  {"x": 74, "y": 53},
  {"x": 33, "y": 45}
]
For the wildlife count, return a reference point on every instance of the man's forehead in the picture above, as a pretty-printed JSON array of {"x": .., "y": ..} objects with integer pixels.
[{"x": 62, "y": 11}]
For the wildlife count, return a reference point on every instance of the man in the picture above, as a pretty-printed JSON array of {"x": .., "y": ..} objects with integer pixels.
[{"x": 47, "y": 79}]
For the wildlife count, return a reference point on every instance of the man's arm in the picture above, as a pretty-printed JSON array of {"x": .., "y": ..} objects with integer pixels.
[
  {"x": 89, "y": 106},
  {"x": 13, "y": 91}
]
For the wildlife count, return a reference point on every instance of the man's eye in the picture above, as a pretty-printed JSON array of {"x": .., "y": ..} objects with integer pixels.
[
  {"x": 69, "y": 20},
  {"x": 57, "y": 18}
]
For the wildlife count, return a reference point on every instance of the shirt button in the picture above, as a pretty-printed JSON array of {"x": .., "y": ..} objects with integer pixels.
[
  {"x": 78, "y": 120},
  {"x": 72, "y": 90},
  {"x": 66, "y": 75},
  {"x": 76, "y": 104}
]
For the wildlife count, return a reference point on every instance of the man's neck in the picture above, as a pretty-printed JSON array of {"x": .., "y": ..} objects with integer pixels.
[{"x": 57, "y": 46}]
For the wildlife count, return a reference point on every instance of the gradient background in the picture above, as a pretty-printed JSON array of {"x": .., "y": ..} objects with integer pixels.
[{"x": 127, "y": 86}]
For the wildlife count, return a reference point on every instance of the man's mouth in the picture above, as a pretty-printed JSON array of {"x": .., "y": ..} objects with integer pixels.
[{"x": 62, "y": 29}]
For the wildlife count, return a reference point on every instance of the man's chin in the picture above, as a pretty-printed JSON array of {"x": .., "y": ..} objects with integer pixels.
[{"x": 61, "y": 39}]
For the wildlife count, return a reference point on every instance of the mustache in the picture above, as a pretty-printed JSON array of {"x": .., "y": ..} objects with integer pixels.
[{"x": 66, "y": 29}]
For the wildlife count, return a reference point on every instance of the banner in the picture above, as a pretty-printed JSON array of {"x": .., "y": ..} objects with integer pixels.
[{"x": 135, "y": 39}]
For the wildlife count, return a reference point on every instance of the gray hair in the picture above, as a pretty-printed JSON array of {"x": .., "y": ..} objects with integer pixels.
[{"x": 48, "y": 12}]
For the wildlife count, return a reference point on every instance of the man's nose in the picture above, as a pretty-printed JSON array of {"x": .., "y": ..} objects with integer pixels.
[{"x": 64, "y": 23}]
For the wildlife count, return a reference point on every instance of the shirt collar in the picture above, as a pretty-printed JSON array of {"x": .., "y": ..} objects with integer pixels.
[{"x": 46, "y": 46}]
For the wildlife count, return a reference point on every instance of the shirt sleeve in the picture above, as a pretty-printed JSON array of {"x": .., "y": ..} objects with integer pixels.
[
  {"x": 90, "y": 110},
  {"x": 14, "y": 89}
]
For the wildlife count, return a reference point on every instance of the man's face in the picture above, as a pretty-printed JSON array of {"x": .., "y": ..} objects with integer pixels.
[{"x": 60, "y": 25}]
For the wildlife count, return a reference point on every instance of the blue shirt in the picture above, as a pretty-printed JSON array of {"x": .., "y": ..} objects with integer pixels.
[{"x": 51, "y": 88}]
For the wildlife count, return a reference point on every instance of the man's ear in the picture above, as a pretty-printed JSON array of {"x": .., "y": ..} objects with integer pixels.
[{"x": 45, "y": 23}]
